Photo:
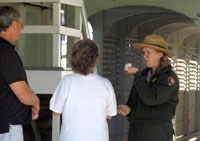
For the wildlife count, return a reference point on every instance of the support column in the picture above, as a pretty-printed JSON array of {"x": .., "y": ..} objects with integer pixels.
[
  {"x": 197, "y": 99},
  {"x": 22, "y": 40},
  {"x": 56, "y": 37},
  {"x": 78, "y": 21},
  {"x": 56, "y": 63},
  {"x": 55, "y": 127},
  {"x": 97, "y": 22},
  {"x": 122, "y": 129}
]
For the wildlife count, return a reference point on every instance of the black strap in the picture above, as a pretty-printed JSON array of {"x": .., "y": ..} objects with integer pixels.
[{"x": 156, "y": 45}]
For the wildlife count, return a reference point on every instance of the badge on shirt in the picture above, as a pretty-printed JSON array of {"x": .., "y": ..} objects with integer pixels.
[{"x": 171, "y": 80}]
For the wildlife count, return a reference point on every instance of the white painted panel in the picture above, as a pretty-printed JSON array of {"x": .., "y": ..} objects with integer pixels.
[
  {"x": 16, "y": 1},
  {"x": 44, "y": 81},
  {"x": 78, "y": 3},
  {"x": 68, "y": 2},
  {"x": 44, "y": 29}
]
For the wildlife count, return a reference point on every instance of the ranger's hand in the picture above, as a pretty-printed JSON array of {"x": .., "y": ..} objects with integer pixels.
[
  {"x": 123, "y": 110},
  {"x": 131, "y": 70}
]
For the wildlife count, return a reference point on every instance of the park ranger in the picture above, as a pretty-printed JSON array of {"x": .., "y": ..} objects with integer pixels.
[{"x": 154, "y": 96}]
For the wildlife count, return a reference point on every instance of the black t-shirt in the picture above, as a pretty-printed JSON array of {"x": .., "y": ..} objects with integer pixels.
[{"x": 12, "y": 111}]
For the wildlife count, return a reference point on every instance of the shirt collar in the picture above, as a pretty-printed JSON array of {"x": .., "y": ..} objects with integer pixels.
[
  {"x": 7, "y": 43},
  {"x": 164, "y": 70}
]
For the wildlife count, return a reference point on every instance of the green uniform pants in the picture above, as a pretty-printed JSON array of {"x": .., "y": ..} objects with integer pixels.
[{"x": 151, "y": 133}]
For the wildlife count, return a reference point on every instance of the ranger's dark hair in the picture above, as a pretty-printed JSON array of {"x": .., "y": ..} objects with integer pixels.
[
  {"x": 8, "y": 14},
  {"x": 84, "y": 56}
]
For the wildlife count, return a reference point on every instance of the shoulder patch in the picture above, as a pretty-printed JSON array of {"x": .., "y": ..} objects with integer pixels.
[{"x": 171, "y": 80}]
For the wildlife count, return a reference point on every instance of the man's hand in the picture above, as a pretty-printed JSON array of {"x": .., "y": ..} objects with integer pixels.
[
  {"x": 123, "y": 110},
  {"x": 35, "y": 112}
]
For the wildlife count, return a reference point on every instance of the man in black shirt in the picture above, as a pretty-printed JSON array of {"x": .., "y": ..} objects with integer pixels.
[{"x": 18, "y": 103}]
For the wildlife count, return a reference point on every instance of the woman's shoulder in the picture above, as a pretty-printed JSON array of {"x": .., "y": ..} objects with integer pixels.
[
  {"x": 101, "y": 77},
  {"x": 69, "y": 77}
]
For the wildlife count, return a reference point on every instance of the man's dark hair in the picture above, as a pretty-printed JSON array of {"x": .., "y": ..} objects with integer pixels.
[
  {"x": 84, "y": 56},
  {"x": 8, "y": 14}
]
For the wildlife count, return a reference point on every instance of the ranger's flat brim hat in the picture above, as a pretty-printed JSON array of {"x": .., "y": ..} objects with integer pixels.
[{"x": 155, "y": 42}]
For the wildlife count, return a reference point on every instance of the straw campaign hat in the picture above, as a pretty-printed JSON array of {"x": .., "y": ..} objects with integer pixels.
[{"x": 155, "y": 42}]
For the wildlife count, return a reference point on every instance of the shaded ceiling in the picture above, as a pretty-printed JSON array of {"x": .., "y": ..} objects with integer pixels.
[{"x": 146, "y": 19}]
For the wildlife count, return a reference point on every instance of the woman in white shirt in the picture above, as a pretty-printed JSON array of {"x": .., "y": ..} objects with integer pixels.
[{"x": 84, "y": 99}]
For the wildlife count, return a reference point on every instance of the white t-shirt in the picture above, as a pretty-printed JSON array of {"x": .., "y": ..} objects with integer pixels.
[{"x": 84, "y": 102}]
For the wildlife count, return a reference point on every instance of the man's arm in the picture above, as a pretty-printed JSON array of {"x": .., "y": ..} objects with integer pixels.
[
  {"x": 24, "y": 93},
  {"x": 26, "y": 96}
]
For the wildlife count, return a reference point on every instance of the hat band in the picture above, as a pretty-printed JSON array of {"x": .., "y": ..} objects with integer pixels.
[{"x": 156, "y": 45}]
